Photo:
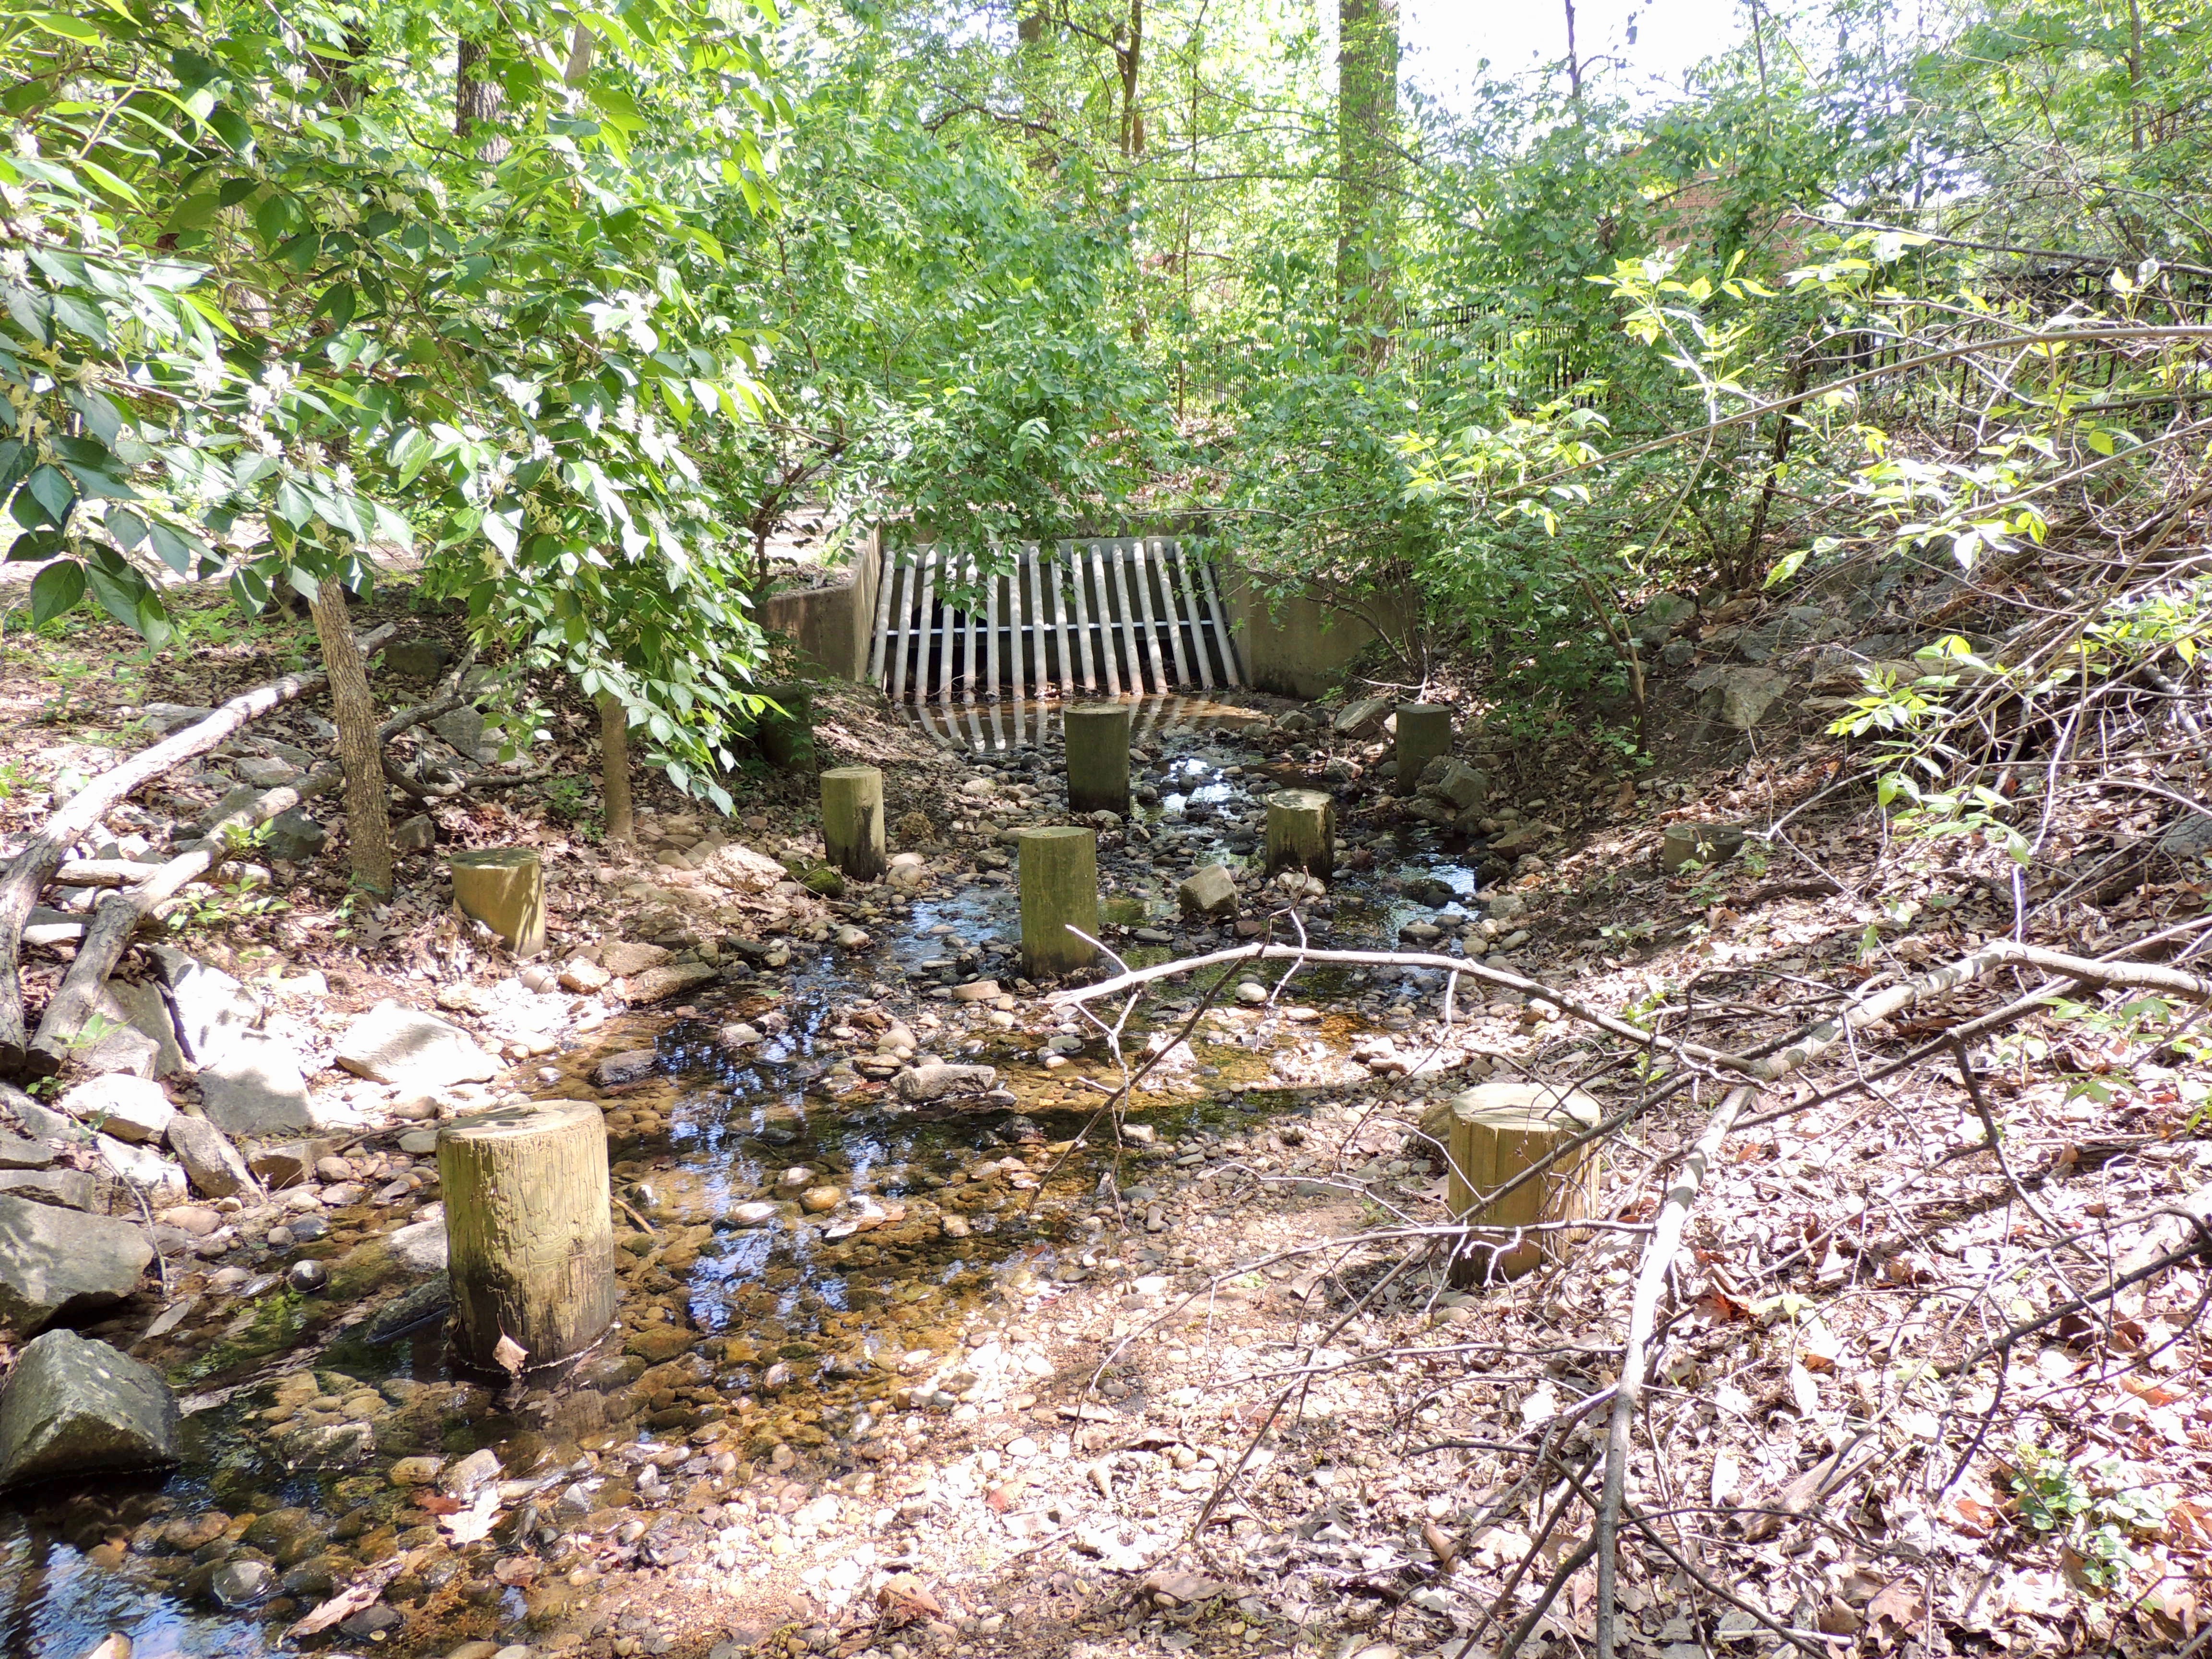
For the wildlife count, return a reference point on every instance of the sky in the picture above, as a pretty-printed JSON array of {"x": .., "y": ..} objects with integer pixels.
[{"x": 1444, "y": 41}]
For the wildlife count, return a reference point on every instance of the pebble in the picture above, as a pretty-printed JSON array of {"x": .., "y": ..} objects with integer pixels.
[
  {"x": 308, "y": 1278},
  {"x": 1252, "y": 992},
  {"x": 243, "y": 1584}
]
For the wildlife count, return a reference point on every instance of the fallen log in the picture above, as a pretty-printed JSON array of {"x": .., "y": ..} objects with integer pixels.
[
  {"x": 118, "y": 915},
  {"x": 30, "y": 870},
  {"x": 102, "y": 873}
]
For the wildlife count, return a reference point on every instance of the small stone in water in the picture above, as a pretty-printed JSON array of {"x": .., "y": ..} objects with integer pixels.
[
  {"x": 1252, "y": 992},
  {"x": 753, "y": 1215},
  {"x": 243, "y": 1584},
  {"x": 308, "y": 1278},
  {"x": 307, "y": 1228}
]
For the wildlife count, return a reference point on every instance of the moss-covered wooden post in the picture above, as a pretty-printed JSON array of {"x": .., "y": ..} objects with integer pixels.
[
  {"x": 1059, "y": 886},
  {"x": 530, "y": 1238},
  {"x": 1424, "y": 732},
  {"x": 1097, "y": 757},
  {"x": 1302, "y": 832},
  {"x": 1494, "y": 1132},
  {"x": 853, "y": 820},
  {"x": 503, "y": 888},
  {"x": 787, "y": 740}
]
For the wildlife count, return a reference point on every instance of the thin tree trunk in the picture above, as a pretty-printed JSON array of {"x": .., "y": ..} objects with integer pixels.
[
  {"x": 1575, "y": 64},
  {"x": 1132, "y": 58},
  {"x": 1367, "y": 168},
  {"x": 614, "y": 769},
  {"x": 476, "y": 103},
  {"x": 368, "y": 824}
]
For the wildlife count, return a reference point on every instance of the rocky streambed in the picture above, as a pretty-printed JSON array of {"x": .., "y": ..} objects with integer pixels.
[{"x": 844, "y": 1168}]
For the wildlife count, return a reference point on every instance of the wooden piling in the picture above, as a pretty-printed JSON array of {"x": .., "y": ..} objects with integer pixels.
[
  {"x": 1302, "y": 832},
  {"x": 503, "y": 888},
  {"x": 1059, "y": 888},
  {"x": 1493, "y": 1133},
  {"x": 853, "y": 820},
  {"x": 1097, "y": 757},
  {"x": 530, "y": 1241},
  {"x": 1424, "y": 732}
]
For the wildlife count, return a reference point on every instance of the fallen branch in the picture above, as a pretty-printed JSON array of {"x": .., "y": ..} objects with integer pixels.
[
  {"x": 30, "y": 870},
  {"x": 120, "y": 914}
]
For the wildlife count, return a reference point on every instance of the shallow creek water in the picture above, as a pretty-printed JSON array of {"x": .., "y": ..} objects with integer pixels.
[{"x": 745, "y": 1346}]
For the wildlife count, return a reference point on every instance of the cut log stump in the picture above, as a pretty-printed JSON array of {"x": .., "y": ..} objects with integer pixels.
[
  {"x": 853, "y": 820},
  {"x": 1097, "y": 757},
  {"x": 1424, "y": 732},
  {"x": 1492, "y": 1134},
  {"x": 529, "y": 1236},
  {"x": 503, "y": 888},
  {"x": 1059, "y": 886},
  {"x": 1302, "y": 833}
]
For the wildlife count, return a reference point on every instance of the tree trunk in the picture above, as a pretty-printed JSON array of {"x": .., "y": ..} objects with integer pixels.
[
  {"x": 1132, "y": 60},
  {"x": 28, "y": 873},
  {"x": 530, "y": 1234},
  {"x": 614, "y": 769},
  {"x": 476, "y": 104},
  {"x": 361, "y": 752},
  {"x": 1367, "y": 161}
]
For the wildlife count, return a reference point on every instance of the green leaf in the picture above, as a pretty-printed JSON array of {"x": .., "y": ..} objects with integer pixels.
[
  {"x": 55, "y": 591},
  {"x": 50, "y": 487},
  {"x": 176, "y": 550},
  {"x": 61, "y": 23}
]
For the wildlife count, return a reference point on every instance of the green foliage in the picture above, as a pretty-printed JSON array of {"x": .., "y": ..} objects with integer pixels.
[{"x": 2092, "y": 1509}]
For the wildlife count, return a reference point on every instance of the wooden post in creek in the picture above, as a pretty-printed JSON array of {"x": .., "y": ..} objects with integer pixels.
[
  {"x": 1424, "y": 732},
  {"x": 503, "y": 888},
  {"x": 853, "y": 820},
  {"x": 1494, "y": 1132},
  {"x": 530, "y": 1237},
  {"x": 1059, "y": 886},
  {"x": 1097, "y": 757},
  {"x": 1302, "y": 833}
]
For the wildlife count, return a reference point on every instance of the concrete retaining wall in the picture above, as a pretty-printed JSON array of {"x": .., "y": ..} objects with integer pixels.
[{"x": 831, "y": 625}]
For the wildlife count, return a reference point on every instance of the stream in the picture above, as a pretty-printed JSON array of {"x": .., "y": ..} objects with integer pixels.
[{"x": 760, "y": 1341}]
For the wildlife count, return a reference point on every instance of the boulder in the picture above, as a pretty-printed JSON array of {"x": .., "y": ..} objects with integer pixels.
[
  {"x": 58, "y": 1264},
  {"x": 417, "y": 661},
  {"x": 210, "y": 1009},
  {"x": 627, "y": 956},
  {"x": 466, "y": 730},
  {"x": 925, "y": 1082},
  {"x": 76, "y": 1408},
  {"x": 39, "y": 1122},
  {"x": 1663, "y": 618},
  {"x": 211, "y": 1164},
  {"x": 631, "y": 1065},
  {"x": 296, "y": 837},
  {"x": 17, "y": 1153},
  {"x": 735, "y": 866},
  {"x": 1363, "y": 717},
  {"x": 132, "y": 1109},
  {"x": 142, "y": 1167},
  {"x": 1741, "y": 697},
  {"x": 392, "y": 1043},
  {"x": 1461, "y": 784},
  {"x": 145, "y": 1010},
  {"x": 74, "y": 1189},
  {"x": 1209, "y": 891},
  {"x": 583, "y": 976},
  {"x": 416, "y": 835},
  {"x": 659, "y": 984},
  {"x": 163, "y": 718},
  {"x": 256, "y": 1089},
  {"x": 121, "y": 1046},
  {"x": 420, "y": 1246},
  {"x": 264, "y": 771},
  {"x": 288, "y": 1162}
]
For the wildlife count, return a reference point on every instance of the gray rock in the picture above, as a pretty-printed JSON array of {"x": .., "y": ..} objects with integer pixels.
[
  {"x": 38, "y": 1122},
  {"x": 122, "y": 1048},
  {"x": 392, "y": 1043},
  {"x": 131, "y": 1109},
  {"x": 1677, "y": 653},
  {"x": 17, "y": 1153},
  {"x": 464, "y": 1478},
  {"x": 1742, "y": 698},
  {"x": 142, "y": 1167},
  {"x": 211, "y": 1010},
  {"x": 211, "y": 1163},
  {"x": 166, "y": 717},
  {"x": 256, "y": 1089},
  {"x": 927, "y": 1082},
  {"x": 76, "y": 1408},
  {"x": 57, "y": 1264},
  {"x": 631, "y": 1065},
  {"x": 465, "y": 728},
  {"x": 416, "y": 835},
  {"x": 1463, "y": 786},
  {"x": 417, "y": 661},
  {"x": 73, "y": 1189},
  {"x": 1209, "y": 890},
  {"x": 1663, "y": 618},
  {"x": 2189, "y": 836},
  {"x": 264, "y": 771},
  {"x": 236, "y": 799},
  {"x": 288, "y": 1162},
  {"x": 296, "y": 837},
  {"x": 146, "y": 1010},
  {"x": 1363, "y": 717},
  {"x": 420, "y": 1246},
  {"x": 240, "y": 1584}
]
